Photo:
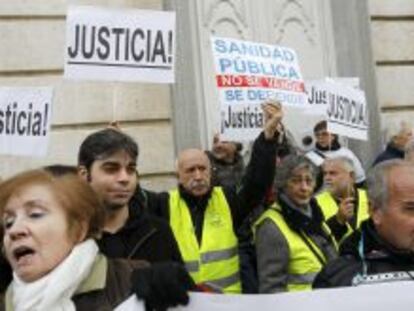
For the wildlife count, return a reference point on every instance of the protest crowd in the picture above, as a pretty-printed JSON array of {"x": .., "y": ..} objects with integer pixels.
[
  {"x": 285, "y": 219},
  {"x": 97, "y": 219}
]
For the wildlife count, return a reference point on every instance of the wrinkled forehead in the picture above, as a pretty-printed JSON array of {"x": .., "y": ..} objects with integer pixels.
[
  {"x": 192, "y": 157},
  {"x": 302, "y": 170},
  {"x": 401, "y": 179},
  {"x": 334, "y": 165}
]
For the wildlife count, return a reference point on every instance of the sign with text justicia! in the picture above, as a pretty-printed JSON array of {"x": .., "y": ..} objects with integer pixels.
[
  {"x": 249, "y": 73},
  {"x": 126, "y": 45},
  {"x": 25, "y": 115}
]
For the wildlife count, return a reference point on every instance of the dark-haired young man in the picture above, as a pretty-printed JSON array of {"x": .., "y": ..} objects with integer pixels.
[{"x": 107, "y": 160}]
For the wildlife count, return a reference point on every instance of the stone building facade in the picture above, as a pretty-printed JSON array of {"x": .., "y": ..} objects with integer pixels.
[{"x": 368, "y": 39}]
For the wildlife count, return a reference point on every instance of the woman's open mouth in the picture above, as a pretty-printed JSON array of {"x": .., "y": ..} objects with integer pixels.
[{"x": 22, "y": 254}]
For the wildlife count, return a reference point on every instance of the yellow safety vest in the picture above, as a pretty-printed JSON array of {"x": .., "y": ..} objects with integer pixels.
[
  {"x": 330, "y": 208},
  {"x": 304, "y": 263},
  {"x": 216, "y": 261}
]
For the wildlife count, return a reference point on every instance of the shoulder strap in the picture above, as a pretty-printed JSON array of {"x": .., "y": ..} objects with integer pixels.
[{"x": 311, "y": 247}]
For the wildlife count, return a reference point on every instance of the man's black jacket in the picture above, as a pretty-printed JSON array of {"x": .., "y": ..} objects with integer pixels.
[
  {"x": 143, "y": 237},
  {"x": 378, "y": 257}
]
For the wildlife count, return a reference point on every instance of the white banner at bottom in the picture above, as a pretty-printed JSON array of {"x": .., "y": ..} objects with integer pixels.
[{"x": 381, "y": 297}]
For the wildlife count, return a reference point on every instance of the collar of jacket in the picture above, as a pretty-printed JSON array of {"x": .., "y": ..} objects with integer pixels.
[
  {"x": 199, "y": 202},
  {"x": 375, "y": 247},
  {"x": 97, "y": 277},
  {"x": 391, "y": 148},
  {"x": 137, "y": 209},
  {"x": 333, "y": 147},
  {"x": 95, "y": 281},
  {"x": 301, "y": 222}
]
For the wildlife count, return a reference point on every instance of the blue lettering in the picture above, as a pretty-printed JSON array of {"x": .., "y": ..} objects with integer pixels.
[
  {"x": 257, "y": 95},
  {"x": 293, "y": 74},
  {"x": 288, "y": 56},
  {"x": 220, "y": 46},
  {"x": 239, "y": 65},
  {"x": 224, "y": 63},
  {"x": 277, "y": 54},
  {"x": 234, "y": 48},
  {"x": 265, "y": 51},
  {"x": 233, "y": 95},
  {"x": 253, "y": 67},
  {"x": 242, "y": 66},
  {"x": 289, "y": 98}
]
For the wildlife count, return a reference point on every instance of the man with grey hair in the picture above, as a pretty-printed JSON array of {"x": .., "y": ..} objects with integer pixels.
[
  {"x": 344, "y": 206},
  {"x": 399, "y": 136},
  {"x": 383, "y": 249},
  {"x": 293, "y": 242}
]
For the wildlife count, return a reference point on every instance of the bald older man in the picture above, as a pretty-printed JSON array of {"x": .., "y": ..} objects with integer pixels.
[{"x": 205, "y": 219}]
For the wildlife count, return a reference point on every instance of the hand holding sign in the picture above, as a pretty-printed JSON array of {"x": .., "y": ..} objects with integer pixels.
[
  {"x": 346, "y": 210},
  {"x": 273, "y": 115}
]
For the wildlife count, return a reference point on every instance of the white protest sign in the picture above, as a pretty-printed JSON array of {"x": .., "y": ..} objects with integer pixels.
[
  {"x": 318, "y": 91},
  {"x": 119, "y": 45},
  {"x": 381, "y": 297},
  {"x": 317, "y": 97},
  {"x": 347, "y": 111},
  {"x": 25, "y": 115},
  {"x": 247, "y": 74},
  {"x": 350, "y": 81}
]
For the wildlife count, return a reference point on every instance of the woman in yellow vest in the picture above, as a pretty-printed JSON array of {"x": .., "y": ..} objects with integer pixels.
[{"x": 293, "y": 242}]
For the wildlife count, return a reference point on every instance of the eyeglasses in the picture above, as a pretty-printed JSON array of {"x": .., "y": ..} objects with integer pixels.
[{"x": 299, "y": 180}]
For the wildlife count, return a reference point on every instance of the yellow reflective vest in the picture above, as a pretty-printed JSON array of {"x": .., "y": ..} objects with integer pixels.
[
  {"x": 306, "y": 260},
  {"x": 216, "y": 261},
  {"x": 330, "y": 208}
]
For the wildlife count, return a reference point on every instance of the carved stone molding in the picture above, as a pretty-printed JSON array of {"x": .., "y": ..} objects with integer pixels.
[
  {"x": 293, "y": 11},
  {"x": 213, "y": 8},
  {"x": 218, "y": 14}
]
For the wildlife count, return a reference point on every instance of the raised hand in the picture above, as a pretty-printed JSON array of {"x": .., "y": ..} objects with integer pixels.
[{"x": 273, "y": 114}]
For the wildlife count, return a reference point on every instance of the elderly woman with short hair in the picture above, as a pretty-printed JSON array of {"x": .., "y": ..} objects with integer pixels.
[
  {"x": 49, "y": 229},
  {"x": 49, "y": 224},
  {"x": 293, "y": 242}
]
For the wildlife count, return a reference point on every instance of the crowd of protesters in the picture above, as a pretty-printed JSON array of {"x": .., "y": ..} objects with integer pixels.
[{"x": 87, "y": 237}]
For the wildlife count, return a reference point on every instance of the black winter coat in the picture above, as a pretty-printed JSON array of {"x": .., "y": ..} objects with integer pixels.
[
  {"x": 143, "y": 237},
  {"x": 390, "y": 153},
  {"x": 366, "y": 260}
]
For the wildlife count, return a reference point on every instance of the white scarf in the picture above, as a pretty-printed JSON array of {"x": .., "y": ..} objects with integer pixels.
[{"x": 53, "y": 292}]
